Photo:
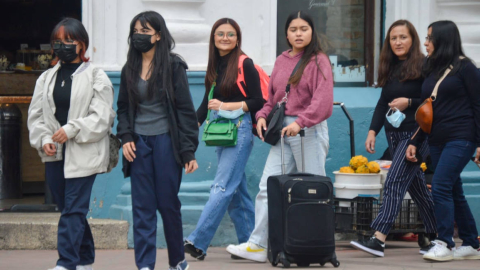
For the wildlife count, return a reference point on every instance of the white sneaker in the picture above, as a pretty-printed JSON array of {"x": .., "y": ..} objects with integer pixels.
[
  {"x": 145, "y": 268},
  {"x": 249, "y": 251},
  {"x": 439, "y": 252},
  {"x": 466, "y": 253},
  {"x": 58, "y": 267},
  {"x": 85, "y": 267}
]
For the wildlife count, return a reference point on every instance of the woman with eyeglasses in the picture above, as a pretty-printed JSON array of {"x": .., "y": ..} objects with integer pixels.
[
  {"x": 72, "y": 138},
  {"x": 309, "y": 105},
  {"x": 229, "y": 188},
  {"x": 158, "y": 128},
  {"x": 400, "y": 76},
  {"x": 453, "y": 140}
]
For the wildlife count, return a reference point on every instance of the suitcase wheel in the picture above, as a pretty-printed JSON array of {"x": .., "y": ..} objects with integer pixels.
[
  {"x": 283, "y": 260},
  {"x": 335, "y": 262},
  {"x": 303, "y": 264}
]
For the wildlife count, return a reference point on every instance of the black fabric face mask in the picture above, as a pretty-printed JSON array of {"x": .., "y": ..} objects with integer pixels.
[
  {"x": 142, "y": 42},
  {"x": 66, "y": 53}
]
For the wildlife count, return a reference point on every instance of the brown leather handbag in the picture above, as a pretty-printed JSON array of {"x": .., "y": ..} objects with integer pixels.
[{"x": 424, "y": 113}]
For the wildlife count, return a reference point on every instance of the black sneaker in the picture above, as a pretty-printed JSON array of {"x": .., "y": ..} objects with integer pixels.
[
  {"x": 193, "y": 251},
  {"x": 372, "y": 246},
  {"x": 424, "y": 250}
]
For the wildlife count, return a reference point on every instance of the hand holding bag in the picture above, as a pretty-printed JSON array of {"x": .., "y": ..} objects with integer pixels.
[
  {"x": 424, "y": 113},
  {"x": 276, "y": 116},
  {"x": 220, "y": 134}
]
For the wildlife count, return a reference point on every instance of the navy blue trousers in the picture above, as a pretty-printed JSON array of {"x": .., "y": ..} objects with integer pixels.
[
  {"x": 449, "y": 160},
  {"x": 155, "y": 178},
  {"x": 404, "y": 176},
  {"x": 72, "y": 196}
]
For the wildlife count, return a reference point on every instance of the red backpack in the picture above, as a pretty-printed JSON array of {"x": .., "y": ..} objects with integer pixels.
[{"x": 264, "y": 78}]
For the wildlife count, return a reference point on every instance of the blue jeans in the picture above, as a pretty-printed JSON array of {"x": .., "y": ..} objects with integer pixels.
[
  {"x": 74, "y": 238},
  {"x": 155, "y": 180},
  {"x": 316, "y": 144},
  {"x": 448, "y": 161},
  {"x": 228, "y": 191}
]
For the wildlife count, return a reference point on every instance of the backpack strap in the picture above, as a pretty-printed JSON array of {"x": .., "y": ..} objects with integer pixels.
[{"x": 241, "y": 74}]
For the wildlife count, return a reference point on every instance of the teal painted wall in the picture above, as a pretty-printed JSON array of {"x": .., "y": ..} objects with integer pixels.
[{"x": 111, "y": 192}]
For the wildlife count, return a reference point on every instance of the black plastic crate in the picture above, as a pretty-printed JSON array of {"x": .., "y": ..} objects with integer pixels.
[{"x": 361, "y": 211}]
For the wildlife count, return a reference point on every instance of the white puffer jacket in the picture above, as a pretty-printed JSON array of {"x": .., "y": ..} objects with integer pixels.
[{"x": 90, "y": 118}]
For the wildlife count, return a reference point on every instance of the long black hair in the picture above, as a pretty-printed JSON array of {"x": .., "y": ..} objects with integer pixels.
[
  {"x": 312, "y": 49},
  {"x": 447, "y": 49},
  {"x": 160, "y": 68}
]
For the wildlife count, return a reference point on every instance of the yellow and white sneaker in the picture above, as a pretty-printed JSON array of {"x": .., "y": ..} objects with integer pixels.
[{"x": 249, "y": 251}]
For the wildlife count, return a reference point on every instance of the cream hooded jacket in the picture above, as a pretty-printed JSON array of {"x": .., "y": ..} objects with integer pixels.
[{"x": 90, "y": 118}]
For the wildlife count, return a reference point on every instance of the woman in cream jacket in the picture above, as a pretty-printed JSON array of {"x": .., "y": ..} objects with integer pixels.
[{"x": 69, "y": 122}]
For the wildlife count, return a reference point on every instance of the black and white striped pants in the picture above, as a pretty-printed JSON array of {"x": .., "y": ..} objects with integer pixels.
[{"x": 404, "y": 176}]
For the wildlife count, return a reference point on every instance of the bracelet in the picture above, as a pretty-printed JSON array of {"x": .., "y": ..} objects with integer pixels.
[
  {"x": 409, "y": 102},
  {"x": 220, "y": 106}
]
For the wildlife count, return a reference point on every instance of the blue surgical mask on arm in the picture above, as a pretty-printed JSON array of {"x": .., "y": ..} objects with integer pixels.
[
  {"x": 231, "y": 114},
  {"x": 396, "y": 118}
]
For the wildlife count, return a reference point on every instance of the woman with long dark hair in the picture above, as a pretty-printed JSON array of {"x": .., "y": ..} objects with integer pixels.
[
  {"x": 400, "y": 75},
  {"x": 453, "y": 140},
  {"x": 72, "y": 138},
  {"x": 229, "y": 188},
  {"x": 158, "y": 128},
  {"x": 310, "y": 103}
]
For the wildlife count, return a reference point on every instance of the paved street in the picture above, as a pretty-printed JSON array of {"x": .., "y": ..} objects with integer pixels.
[{"x": 399, "y": 255}]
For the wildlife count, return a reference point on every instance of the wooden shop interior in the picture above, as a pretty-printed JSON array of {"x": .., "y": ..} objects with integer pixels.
[{"x": 25, "y": 53}]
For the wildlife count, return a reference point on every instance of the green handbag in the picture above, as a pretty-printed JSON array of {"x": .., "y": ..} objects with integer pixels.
[{"x": 220, "y": 134}]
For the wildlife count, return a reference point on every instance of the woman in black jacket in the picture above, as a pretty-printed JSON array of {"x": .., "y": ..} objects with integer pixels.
[
  {"x": 400, "y": 75},
  {"x": 158, "y": 128},
  {"x": 453, "y": 140}
]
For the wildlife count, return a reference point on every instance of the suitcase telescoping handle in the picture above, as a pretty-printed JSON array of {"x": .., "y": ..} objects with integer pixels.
[{"x": 282, "y": 144}]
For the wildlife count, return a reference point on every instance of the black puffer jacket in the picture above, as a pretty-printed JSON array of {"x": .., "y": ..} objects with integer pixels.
[{"x": 182, "y": 118}]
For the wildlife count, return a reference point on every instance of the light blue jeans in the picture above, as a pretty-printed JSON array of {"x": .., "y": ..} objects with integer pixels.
[
  {"x": 316, "y": 150},
  {"x": 228, "y": 191}
]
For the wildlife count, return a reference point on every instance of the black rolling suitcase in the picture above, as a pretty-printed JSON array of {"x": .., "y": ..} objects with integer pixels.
[{"x": 301, "y": 218}]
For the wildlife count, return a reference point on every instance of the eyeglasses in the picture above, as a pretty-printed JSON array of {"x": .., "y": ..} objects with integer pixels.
[
  {"x": 66, "y": 42},
  {"x": 428, "y": 38},
  {"x": 230, "y": 35}
]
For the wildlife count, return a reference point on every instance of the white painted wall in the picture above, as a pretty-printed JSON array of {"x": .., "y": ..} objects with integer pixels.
[
  {"x": 189, "y": 21},
  {"x": 465, "y": 13}
]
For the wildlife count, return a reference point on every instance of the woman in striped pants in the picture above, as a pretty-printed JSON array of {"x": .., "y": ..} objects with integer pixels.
[{"x": 400, "y": 76}]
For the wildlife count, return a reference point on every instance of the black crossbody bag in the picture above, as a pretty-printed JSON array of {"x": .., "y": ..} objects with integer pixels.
[{"x": 277, "y": 115}]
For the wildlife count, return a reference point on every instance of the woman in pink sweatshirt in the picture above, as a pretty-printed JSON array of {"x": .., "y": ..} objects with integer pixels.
[{"x": 310, "y": 103}]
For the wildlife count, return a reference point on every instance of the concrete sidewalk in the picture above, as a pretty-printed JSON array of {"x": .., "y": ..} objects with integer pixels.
[{"x": 399, "y": 255}]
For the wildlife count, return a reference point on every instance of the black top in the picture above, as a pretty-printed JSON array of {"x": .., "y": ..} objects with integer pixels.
[
  {"x": 395, "y": 89},
  {"x": 254, "y": 99},
  {"x": 63, "y": 91},
  {"x": 456, "y": 110},
  {"x": 182, "y": 120}
]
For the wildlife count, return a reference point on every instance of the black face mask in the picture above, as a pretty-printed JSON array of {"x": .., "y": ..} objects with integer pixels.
[
  {"x": 66, "y": 53},
  {"x": 142, "y": 42}
]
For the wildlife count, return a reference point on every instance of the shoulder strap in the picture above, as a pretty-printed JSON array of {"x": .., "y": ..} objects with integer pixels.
[
  {"x": 210, "y": 96},
  {"x": 241, "y": 75},
  {"x": 435, "y": 90},
  {"x": 287, "y": 90}
]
